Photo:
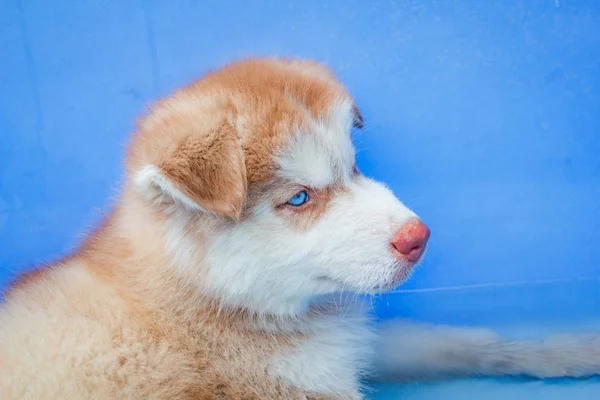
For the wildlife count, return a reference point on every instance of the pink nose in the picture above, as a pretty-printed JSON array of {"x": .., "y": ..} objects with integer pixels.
[{"x": 410, "y": 241}]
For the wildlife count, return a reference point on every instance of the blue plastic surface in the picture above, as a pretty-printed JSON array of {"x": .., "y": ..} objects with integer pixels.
[{"x": 483, "y": 116}]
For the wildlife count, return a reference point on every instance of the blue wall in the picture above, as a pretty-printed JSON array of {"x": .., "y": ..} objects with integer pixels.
[{"x": 482, "y": 116}]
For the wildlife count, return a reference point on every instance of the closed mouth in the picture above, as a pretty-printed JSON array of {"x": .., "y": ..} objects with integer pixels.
[{"x": 401, "y": 276}]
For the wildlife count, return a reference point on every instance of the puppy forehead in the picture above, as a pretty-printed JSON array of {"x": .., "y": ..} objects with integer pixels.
[
  {"x": 293, "y": 119},
  {"x": 319, "y": 152}
]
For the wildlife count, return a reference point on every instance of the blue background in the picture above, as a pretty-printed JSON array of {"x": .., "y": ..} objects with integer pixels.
[{"x": 484, "y": 118}]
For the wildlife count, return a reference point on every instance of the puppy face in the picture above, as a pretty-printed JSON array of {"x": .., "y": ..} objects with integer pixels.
[{"x": 254, "y": 168}]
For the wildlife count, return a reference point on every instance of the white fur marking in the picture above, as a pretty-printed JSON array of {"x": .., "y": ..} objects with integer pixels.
[{"x": 154, "y": 185}]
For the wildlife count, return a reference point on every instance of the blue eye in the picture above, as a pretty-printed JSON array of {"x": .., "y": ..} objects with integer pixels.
[{"x": 299, "y": 199}]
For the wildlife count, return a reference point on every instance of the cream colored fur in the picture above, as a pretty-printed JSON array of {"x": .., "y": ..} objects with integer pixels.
[{"x": 204, "y": 283}]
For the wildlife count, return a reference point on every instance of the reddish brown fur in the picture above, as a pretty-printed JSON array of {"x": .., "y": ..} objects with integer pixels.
[
  {"x": 308, "y": 214},
  {"x": 259, "y": 97},
  {"x": 211, "y": 139},
  {"x": 209, "y": 169}
]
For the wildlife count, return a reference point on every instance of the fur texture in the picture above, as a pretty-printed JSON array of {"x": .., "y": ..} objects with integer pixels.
[{"x": 204, "y": 282}]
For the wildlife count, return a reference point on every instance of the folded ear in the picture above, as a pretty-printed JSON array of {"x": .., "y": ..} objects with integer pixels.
[{"x": 203, "y": 172}]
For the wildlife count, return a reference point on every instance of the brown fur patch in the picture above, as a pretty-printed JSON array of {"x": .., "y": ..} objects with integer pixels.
[
  {"x": 278, "y": 191},
  {"x": 28, "y": 277},
  {"x": 306, "y": 215},
  {"x": 35, "y": 275},
  {"x": 210, "y": 170},
  {"x": 259, "y": 101},
  {"x": 114, "y": 320}
]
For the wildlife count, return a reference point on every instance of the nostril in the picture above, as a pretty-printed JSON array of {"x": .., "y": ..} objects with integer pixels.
[
  {"x": 416, "y": 248},
  {"x": 409, "y": 242},
  {"x": 395, "y": 249}
]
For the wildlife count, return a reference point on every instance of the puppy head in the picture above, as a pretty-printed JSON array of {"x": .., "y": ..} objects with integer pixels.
[{"x": 253, "y": 170}]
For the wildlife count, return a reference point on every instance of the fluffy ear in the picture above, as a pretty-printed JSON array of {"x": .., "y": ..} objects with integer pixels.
[{"x": 205, "y": 172}]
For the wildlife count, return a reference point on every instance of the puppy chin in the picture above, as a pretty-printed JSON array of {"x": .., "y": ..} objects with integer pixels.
[
  {"x": 403, "y": 273},
  {"x": 331, "y": 285},
  {"x": 393, "y": 284}
]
